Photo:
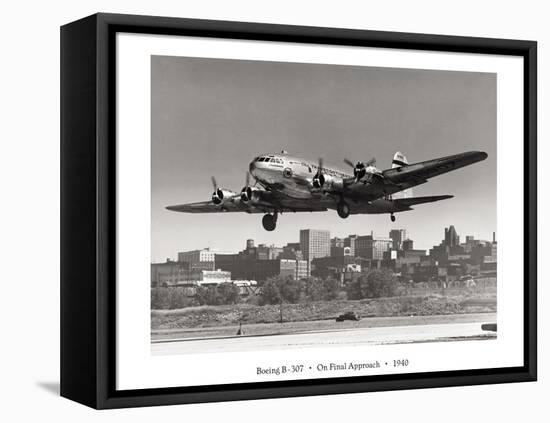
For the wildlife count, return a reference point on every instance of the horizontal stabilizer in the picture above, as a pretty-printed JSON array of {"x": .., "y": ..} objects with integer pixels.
[{"x": 421, "y": 200}]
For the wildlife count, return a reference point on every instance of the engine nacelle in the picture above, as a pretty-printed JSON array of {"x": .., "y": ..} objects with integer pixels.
[
  {"x": 221, "y": 195},
  {"x": 328, "y": 182},
  {"x": 249, "y": 194}
]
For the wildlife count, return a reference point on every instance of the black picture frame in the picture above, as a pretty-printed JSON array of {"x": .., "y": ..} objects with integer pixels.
[{"x": 88, "y": 200}]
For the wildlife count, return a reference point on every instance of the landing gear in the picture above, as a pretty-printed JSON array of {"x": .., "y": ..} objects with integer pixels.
[
  {"x": 392, "y": 217},
  {"x": 342, "y": 209},
  {"x": 269, "y": 222}
]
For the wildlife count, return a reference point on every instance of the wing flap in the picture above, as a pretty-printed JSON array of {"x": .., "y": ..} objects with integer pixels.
[{"x": 408, "y": 202}]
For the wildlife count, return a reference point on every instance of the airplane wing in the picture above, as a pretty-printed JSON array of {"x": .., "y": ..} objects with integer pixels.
[
  {"x": 423, "y": 171},
  {"x": 268, "y": 203},
  {"x": 210, "y": 207},
  {"x": 404, "y": 177}
]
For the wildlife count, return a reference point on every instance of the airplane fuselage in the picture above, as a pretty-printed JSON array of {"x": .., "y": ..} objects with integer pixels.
[{"x": 293, "y": 177}]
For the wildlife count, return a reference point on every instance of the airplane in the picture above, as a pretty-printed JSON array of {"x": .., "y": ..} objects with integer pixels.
[{"x": 287, "y": 184}]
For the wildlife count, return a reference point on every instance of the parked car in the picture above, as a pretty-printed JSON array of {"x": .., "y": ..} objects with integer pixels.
[{"x": 350, "y": 315}]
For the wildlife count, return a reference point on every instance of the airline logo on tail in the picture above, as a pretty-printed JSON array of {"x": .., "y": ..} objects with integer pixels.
[{"x": 399, "y": 160}]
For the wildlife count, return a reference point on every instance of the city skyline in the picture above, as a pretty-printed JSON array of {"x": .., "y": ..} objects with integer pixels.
[
  {"x": 211, "y": 117},
  {"x": 246, "y": 242}
]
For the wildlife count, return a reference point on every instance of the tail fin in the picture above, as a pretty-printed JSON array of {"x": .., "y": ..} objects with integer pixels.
[{"x": 400, "y": 160}]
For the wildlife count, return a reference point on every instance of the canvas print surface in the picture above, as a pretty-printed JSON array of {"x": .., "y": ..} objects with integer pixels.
[{"x": 300, "y": 205}]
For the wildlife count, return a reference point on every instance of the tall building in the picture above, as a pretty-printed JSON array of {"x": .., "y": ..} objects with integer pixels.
[
  {"x": 398, "y": 236},
  {"x": 451, "y": 237},
  {"x": 371, "y": 247},
  {"x": 314, "y": 243}
]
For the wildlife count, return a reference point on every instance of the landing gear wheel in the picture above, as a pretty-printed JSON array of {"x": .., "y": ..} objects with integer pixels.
[
  {"x": 342, "y": 209},
  {"x": 269, "y": 222},
  {"x": 392, "y": 217}
]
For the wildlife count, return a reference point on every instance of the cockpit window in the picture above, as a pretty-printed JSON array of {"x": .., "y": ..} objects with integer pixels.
[{"x": 268, "y": 159}]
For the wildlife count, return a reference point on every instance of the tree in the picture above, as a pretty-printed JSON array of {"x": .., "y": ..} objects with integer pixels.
[
  {"x": 225, "y": 293},
  {"x": 170, "y": 298},
  {"x": 278, "y": 289},
  {"x": 331, "y": 288},
  {"x": 206, "y": 295},
  {"x": 316, "y": 289},
  {"x": 270, "y": 292},
  {"x": 228, "y": 293},
  {"x": 375, "y": 284}
]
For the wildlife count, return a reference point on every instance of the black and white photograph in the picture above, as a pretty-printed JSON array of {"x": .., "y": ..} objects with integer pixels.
[{"x": 306, "y": 205}]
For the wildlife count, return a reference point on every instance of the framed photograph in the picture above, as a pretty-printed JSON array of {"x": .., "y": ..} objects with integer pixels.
[{"x": 257, "y": 211}]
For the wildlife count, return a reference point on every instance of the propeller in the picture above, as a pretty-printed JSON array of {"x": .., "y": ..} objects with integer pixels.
[
  {"x": 246, "y": 192},
  {"x": 217, "y": 196},
  {"x": 360, "y": 168},
  {"x": 319, "y": 179},
  {"x": 349, "y": 162}
]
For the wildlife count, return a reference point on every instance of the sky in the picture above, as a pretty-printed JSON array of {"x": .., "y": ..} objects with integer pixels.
[{"x": 211, "y": 117}]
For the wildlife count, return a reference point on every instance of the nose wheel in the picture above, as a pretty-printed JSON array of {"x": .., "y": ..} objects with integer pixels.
[
  {"x": 269, "y": 222},
  {"x": 392, "y": 217},
  {"x": 342, "y": 208}
]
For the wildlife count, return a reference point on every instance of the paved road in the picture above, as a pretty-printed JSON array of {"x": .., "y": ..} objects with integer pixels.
[{"x": 374, "y": 336}]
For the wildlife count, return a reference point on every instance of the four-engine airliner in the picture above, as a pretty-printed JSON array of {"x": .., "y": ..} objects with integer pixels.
[{"x": 284, "y": 184}]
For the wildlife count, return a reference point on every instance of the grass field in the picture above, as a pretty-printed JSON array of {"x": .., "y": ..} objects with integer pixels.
[{"x": 224, "y": 320}]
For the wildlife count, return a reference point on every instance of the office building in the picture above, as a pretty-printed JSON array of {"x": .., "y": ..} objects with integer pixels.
[
  {"x": 451, "y": 237},
  {"x": 371, "y": 247},
  {"x": 398, "y": 236},
  {"x": 314, "y": 243}
]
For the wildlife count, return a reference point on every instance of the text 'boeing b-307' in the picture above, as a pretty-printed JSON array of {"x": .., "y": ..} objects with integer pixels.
[{"x": 283, "y": 184}]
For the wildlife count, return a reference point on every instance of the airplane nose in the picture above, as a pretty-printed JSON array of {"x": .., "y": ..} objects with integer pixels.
[{"x": 251, "y": 167}]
